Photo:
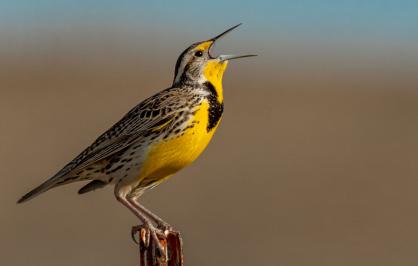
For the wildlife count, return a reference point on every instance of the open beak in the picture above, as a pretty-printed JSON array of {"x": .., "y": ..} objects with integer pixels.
[{"x": 225, "y": 57}]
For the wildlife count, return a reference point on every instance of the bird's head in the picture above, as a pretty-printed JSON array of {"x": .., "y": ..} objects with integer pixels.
[{"x": 197, "y": 64}]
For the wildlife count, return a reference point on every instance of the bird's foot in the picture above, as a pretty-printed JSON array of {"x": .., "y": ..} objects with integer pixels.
[
  {"x": 148, "y": 232},
  {"x": 164, "y": 227}
]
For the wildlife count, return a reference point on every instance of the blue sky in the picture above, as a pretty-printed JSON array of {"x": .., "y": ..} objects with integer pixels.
[{"x": 345, "y": 19}]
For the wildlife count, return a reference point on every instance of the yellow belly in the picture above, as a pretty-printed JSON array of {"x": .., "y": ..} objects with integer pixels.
[{"x": 167, "y": 157}]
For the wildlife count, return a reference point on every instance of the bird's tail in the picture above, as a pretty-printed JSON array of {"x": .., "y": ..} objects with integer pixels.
[{"x": 50, "y": 183}]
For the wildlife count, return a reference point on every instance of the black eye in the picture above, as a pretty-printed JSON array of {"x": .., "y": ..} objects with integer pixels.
[{"x": 198, "y": 53}]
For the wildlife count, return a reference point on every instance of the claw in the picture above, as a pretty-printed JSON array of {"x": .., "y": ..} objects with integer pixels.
[{"x": 134, "y": 230}]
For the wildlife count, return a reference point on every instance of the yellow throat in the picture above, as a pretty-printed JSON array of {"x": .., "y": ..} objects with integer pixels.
[{"x": 214, "y": 72}]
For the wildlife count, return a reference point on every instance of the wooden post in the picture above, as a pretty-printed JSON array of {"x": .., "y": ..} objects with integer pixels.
[{"x": 148, "y": 256}]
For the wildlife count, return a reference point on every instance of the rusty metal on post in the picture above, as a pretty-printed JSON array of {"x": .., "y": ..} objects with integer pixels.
[{"x": 172, "y": 245}]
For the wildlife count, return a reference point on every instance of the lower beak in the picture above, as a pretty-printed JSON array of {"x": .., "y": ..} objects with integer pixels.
[{"x": 226, "y": 57}]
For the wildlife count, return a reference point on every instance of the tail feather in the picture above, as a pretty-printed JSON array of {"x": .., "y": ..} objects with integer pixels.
[{"x": 38, "y": 190}]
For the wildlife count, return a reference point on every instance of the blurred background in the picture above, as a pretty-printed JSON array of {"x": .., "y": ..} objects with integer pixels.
[{"x": 315, "y": 162}]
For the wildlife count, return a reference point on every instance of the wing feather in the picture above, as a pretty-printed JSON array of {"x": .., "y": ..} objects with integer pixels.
[{"x": 150, "y": 115}]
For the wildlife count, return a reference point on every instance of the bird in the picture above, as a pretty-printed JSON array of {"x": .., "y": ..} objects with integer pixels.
[{"x": 158, "y": 137}]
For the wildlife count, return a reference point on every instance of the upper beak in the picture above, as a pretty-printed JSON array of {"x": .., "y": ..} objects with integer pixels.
[{"x": 225, "y": 57}]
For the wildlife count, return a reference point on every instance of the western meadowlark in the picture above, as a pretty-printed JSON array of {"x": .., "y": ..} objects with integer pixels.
[{"x": 157, "y": 138}]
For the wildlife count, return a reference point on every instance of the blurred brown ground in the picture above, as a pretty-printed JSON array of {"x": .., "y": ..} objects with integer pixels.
[{"x": 314, "y": 163}]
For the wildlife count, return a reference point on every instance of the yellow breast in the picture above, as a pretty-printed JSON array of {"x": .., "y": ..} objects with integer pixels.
[{"x": 169, "y": 156}]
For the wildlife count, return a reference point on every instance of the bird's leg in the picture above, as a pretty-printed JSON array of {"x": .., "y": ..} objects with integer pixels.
[
  {"x": 161, "y": 224},
  {"x": 151, "y": 230},
  {"x": 141, "y": 217}
]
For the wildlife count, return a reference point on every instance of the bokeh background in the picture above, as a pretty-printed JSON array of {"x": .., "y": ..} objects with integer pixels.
[{"x": 315, "y": 162}]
